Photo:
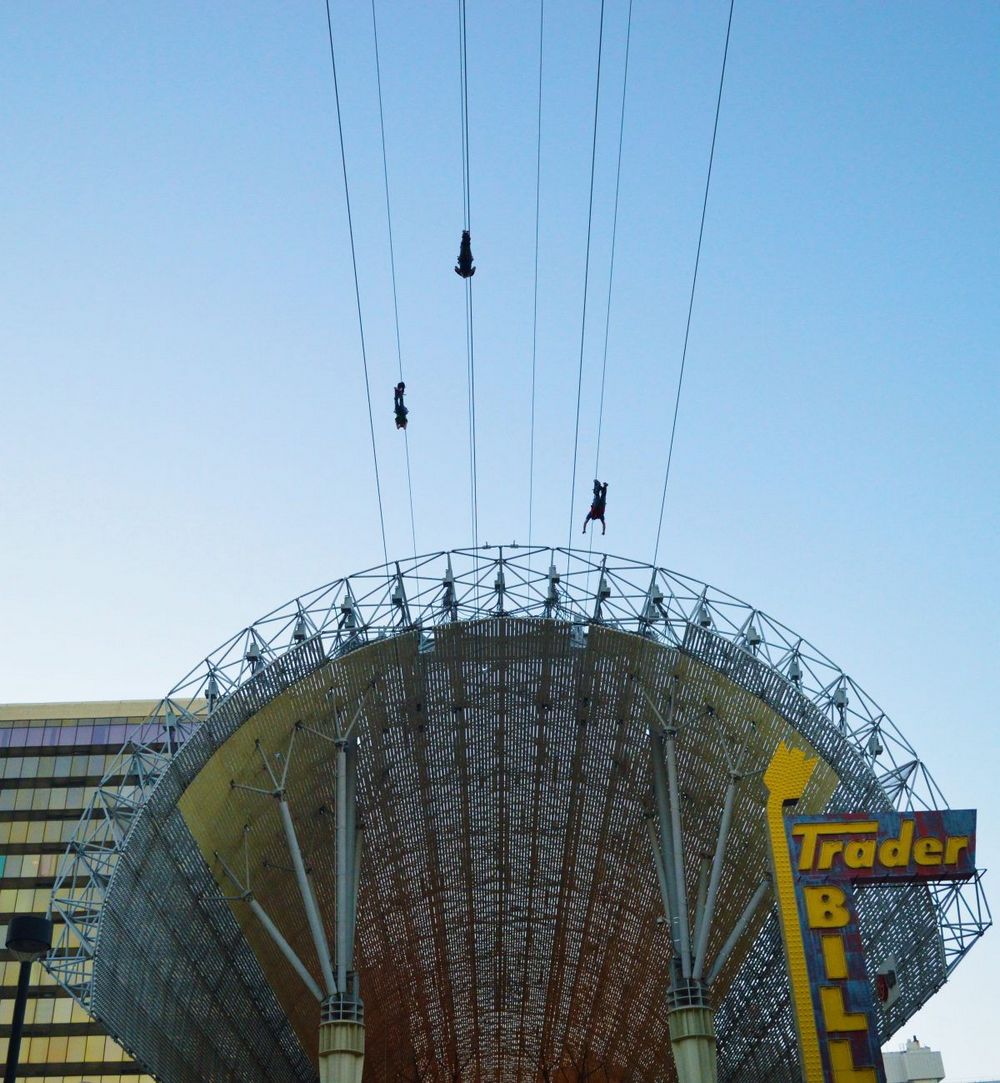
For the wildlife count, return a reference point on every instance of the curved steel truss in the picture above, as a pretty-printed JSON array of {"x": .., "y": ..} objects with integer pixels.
[{"x": 420, "y": 597}]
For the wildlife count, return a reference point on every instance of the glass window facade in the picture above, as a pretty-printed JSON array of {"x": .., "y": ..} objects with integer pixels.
[{"x": 51, "y": 759}]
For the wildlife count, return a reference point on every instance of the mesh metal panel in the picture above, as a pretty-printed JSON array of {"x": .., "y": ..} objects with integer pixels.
[{"x": 174, "y": 975}]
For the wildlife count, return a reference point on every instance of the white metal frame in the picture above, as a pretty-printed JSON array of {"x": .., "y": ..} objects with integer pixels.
[{"x": 425, "y": 592}]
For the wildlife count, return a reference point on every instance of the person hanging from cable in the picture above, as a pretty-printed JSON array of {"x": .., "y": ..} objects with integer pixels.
[
  {"x": 464, "y": 266},
  {"x": 597, "y": 506},
  {"x": 401, "y": 410}
]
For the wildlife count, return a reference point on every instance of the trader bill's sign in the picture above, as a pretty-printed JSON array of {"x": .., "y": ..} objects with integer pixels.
[{"x": 817, "y": 860}]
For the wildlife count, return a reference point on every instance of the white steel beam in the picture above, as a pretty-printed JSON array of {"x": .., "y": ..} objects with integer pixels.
[
  {"x": 308, "y": 898},
  {"x": 705, "y": 924},
  {"x": 738, "y": 930}
]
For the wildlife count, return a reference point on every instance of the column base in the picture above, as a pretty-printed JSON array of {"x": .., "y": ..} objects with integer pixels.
[
  {"x": 692, "y": 1034},
  {"x": 342, "y": 1036},
  {"x": 341, "y": 1052}
]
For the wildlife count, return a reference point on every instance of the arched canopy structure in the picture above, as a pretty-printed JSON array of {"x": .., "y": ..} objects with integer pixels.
[{"x": 501, "y": 712}]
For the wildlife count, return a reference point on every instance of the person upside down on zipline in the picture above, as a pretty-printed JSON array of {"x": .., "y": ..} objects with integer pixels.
[
  {"x": 597, "y": 506},
  {"x": 464, "y": 266},
  {"x": 401, "y": 410}
]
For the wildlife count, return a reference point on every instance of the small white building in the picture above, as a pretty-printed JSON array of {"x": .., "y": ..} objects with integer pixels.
[{"x": 915, "y": 1064}]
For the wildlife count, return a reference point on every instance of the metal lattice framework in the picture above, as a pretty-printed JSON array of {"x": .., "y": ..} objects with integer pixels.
[{"x": 449, "y": 620}]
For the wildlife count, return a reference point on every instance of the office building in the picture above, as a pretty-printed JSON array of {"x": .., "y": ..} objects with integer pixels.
[{"x": 52, "y": 756}]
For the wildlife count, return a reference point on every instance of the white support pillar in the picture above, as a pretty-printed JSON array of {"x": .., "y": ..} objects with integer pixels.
[
  {"x": 285, "y": 948},
  {"x": 308, "y": 899},
  {"x": 704, "y": 869},
  {"x": 342, "y": 1024},
  {"x": 738, "y": 929},
  {"x": 705, "y": 926},
  {"x": 342, "y": 1027},
  {"x": 341, "y": 1046},
  {"x": 692, "y": 1041},
  {"x": 666, "y": 841},
  {"x": 675, "y": 825},
  {"x": 661, "y": 875},
  {"x": 689, "y": 1013},
  {"x": 359, "y": 846},
  {"x": 668, "y": 811},
  {"x": 343, "y": 887},
  {"x": 272, "y": 930}
]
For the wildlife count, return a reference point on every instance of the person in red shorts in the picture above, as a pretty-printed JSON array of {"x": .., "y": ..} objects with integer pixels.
[{"x": 596, "y": 513}]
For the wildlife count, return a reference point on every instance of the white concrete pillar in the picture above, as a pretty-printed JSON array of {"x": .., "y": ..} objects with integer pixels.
[
  {"x": 692, "y": 1040},
  {"x": 341, "y": 1052}
]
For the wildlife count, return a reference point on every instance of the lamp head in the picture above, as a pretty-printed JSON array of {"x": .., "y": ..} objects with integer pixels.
[{"x": 29, "y": 936}]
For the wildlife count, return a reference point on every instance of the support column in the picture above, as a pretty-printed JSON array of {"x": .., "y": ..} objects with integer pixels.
[
  {"x": 692, "y": 1032},
  {"x": 342, "y": 1037},
  {"x": 272, "y": 930},
  {"x": 705, "y": 922},
  {"x": 678, "y": 838},
  {"x": 308, "y": 899},
  {"x": 342, "y": 1012},
  {"x": 342, "y": 1022},
  {"x": 690, "y": 1016}
]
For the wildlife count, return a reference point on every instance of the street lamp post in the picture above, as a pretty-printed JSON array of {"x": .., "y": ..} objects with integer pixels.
[{"x": 29, "y": 937}]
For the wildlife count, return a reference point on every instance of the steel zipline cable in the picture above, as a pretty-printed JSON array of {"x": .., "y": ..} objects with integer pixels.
[
  {"x": 586, "y": 278},
  {"x": 614, "y": 238},
  {"x": 464, "y": 77},
  {"x": 534, "y": 314},
  {"x": 611, "y": 267},
  {"x": 470, "y": 339},
  {"x": 694, "y": 284},
  {"x": 357, "y": 288},
  {"x": 392, "y": 268}
]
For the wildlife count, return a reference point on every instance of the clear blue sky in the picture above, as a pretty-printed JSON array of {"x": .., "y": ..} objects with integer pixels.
[{"x": 185, "y": 438}]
